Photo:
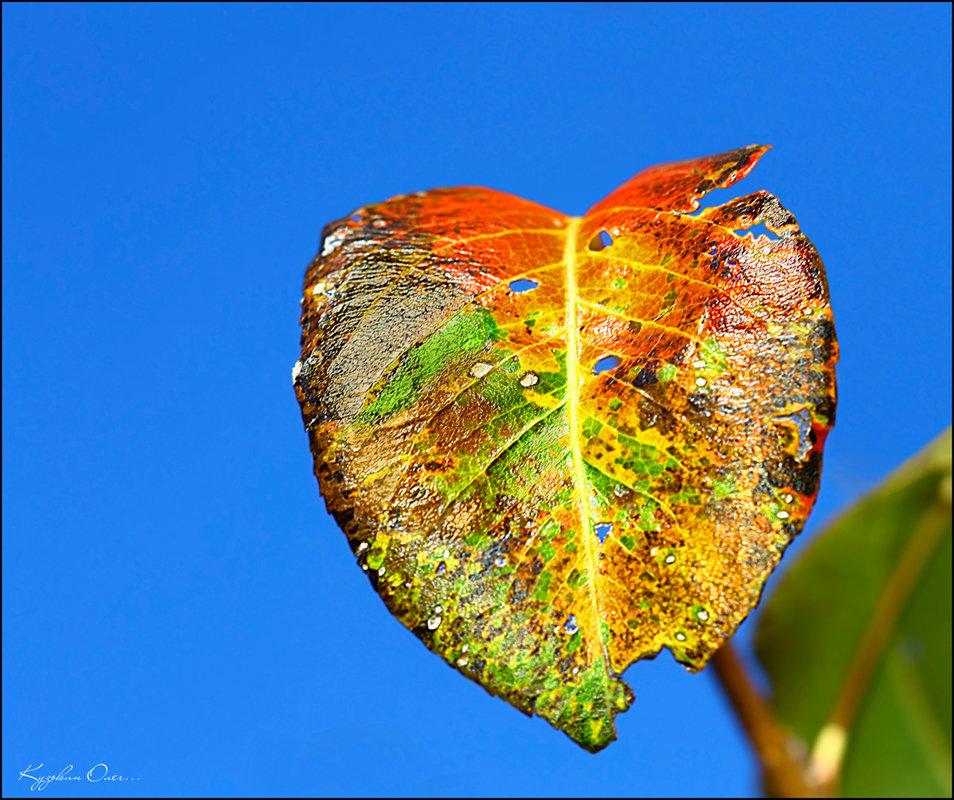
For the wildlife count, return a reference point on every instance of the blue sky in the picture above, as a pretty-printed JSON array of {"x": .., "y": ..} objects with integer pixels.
[{"x": 177, "y": 604}]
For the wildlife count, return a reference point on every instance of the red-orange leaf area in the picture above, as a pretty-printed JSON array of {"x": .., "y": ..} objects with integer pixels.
[{"x": 559, "y": 444}]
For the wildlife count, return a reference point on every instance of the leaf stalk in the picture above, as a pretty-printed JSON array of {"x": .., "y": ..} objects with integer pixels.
[{"x": 784, "y": 773}]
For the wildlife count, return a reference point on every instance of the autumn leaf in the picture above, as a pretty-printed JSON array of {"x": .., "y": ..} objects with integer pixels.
[{"x": 559, "y": 444}]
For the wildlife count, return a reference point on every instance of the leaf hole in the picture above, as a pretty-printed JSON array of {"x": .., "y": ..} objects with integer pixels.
[
  {"x": 600, "y": 241},
  {"x": 523, "y": 285},
  {"x": 798, "y": 427},
  {"x": 603, "y": 530},
  {"x": 605, "y": 363}
]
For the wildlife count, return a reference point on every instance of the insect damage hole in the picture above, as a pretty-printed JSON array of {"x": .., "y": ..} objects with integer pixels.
[
  {"x": 600, "y": 241},
  {"x": 603, "y": 530},
  {"x": 796, "y": 431},
  {"x": 605, "y": 363},
  {"x": 523, "y": 285}
]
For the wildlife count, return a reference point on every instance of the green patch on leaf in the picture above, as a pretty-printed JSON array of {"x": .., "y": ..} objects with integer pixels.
[{"x": 401, "y": 386}]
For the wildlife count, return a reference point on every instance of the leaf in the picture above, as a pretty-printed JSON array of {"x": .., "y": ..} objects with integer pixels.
[
  {"x": 856, "y": 639},
  {"x": 560, "y": 444}
]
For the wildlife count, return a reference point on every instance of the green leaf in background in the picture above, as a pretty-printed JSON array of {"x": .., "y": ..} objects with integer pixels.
[{"x": 856, "y": 639}]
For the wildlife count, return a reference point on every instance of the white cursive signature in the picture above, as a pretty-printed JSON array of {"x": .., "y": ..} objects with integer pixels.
[{"x": 96, "y": 773}]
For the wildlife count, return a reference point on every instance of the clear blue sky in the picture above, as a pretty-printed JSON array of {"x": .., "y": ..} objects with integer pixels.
[{"x": 176, "y": 602}]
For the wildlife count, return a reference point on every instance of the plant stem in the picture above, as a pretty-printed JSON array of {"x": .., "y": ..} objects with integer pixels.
[
  {"x": 784, "y": 775},
  {"x": 827, "y": 760}
]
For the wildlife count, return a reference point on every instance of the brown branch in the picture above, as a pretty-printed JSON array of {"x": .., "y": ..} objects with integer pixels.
[{"x": 784, "y": 774}]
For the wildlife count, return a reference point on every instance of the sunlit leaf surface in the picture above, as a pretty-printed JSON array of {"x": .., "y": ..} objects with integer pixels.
[
  {"x": 559, "y": 444},
  {"x": 856, "y": 639}
]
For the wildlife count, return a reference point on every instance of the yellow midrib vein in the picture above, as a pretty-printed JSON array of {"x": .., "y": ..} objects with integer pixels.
[{"x": 573, "y": 385}]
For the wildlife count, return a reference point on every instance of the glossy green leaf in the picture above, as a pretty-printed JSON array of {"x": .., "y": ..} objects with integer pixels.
[
  {"x": 559, "y": 444},
  {"x": 856, "y": 639}
]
